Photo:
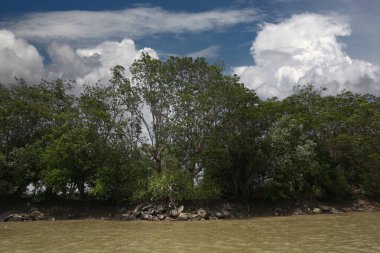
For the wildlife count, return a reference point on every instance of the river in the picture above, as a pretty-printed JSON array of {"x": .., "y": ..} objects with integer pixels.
[{"x": 349, "y": 232}]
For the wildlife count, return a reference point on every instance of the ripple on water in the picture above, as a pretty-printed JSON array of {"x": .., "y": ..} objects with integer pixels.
[{"x": 352, "y": 232}]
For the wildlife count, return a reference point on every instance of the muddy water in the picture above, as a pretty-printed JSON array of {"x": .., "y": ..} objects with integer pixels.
[{"x": 352, "y": 232}]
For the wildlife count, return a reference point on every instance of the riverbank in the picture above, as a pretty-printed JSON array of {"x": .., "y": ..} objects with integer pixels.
[{"x": 25, "y": 210}]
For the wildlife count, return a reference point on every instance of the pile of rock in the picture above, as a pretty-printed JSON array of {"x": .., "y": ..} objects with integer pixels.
[
  {"x": 304, "y": 210},
  {"x": 32, "y": 216},
  {"x": 161, "y": 212}
]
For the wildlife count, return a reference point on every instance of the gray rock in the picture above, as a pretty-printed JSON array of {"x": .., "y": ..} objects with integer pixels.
[
  {"x": 334, "y": 211},
  {"x": 180, "y": 209},
  {"x": 37, "y": 215},
  {"x": 127, "y": 216},
  {"x": 161, "y": 216},
  {"x": 317, "y": 210},
  {"x": 151, "y": 211},
  {"x": 15, "y": 217},
  {"x": 173, "y": 213},
  {"x": 325, "y": 209},
  {"x": 146, "y": 207},
  {"x": 202, "y": 213},
  {"x": 183, "y": 217},
  {"x": 144, "y": 216},
  {"x": 160, "y": 209},
  {"x": 226, "y": 214},
  {"x": 137, "y": 209},
  {"x": 219, "y": 215}
]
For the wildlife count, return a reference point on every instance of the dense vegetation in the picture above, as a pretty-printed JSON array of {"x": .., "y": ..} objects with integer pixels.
[{"x": 180, "y": 129}]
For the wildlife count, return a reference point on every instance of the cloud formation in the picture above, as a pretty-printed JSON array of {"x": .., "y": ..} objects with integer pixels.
[
  {"x": 89, "y": 65},
  {"x": 304, "y": 49},
  {"x": 18, "y": 59},
  {"x": 132, "y": 23},
  {"x": 85, "y": 65}
]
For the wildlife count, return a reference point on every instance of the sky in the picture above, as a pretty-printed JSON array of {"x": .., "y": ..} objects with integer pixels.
[{"x": 272, "y": 45}]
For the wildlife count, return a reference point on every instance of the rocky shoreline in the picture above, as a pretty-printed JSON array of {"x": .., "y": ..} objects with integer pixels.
[{"x": 183, "y": 212}]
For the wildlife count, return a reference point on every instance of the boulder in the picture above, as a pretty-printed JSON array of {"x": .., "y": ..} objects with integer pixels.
[
  {"x": 173, "y": 213},
  {"x": 325, "y": 209},
  {"x": 202, "y": 213},
  {"x": 144, "y": 216},
  {"x": 146, "y": 207},
  {"x": 226, "y": 214},
  {"x": 160, "y": 209},
  {"x": 15, "y": 217},
  {"x": 151, "y": 211},
  {"x": 137, "y": 209},
  {"x": 219, "y": 215},
  {"x": 334, "y": 211},
  {"x": 161, "y": 216},
  {"x": 183, "y": 217},
  {"x": 180, "y": 209},
  {"x": 127, "y": 216},
  {"x": 317, "y": 210},
  {"x": 37, "y": 215}
]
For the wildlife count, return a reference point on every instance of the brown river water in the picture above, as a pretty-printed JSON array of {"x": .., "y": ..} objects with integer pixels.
[{"x": 349, "y": 232}]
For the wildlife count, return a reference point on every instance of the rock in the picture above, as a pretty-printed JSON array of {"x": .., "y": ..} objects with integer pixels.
[
  {"x": 226, "y": 214},
  {"x": 346, "y": 209},
  {"x": 202, "y": 213},
  {"x": 219, "y": 215},
  {"x": 146, "y": 207},
  {"x": 334, "y": 211},
  {"x": 325, "y": 209},
  {"x": 183, "y": 217},
  {"x": 317, "y": 210},
  {"x": 227, "y": 206},
  {"x": 144, "y": 216},
  {"x": 151, "y": 211},
  {"x": 12, "y": 217},
  {"x": 37, "y": 215},
  {"x": 161, "y": 216},
  {"x": 152, "y": 218},
  {"x": 160, "y": 209},
  {"x": 137, "y": 209},
  {"x": 127, "y": 216},
  {"x": 307, "y": 210},
  {"x": 173, "y": 213},
  {"x": 180, "y": 209},
  {"x": 195, "y": 217},
  {"x": 298, "y": 211}
]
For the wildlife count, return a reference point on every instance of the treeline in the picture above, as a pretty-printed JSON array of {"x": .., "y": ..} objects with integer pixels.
[{"x": 181, "y": 129}]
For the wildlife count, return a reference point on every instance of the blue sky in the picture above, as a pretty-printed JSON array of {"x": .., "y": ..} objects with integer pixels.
[{"x": 69, "y": 39}]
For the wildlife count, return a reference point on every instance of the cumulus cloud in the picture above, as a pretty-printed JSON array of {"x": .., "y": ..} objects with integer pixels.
[
  {"x": 304, "y": 49},
  {"x": 85, "y": 65},
  {"x": 90, "y": 65},
  {"x": 18, "y": 59},
  {"x": 132, "y": 23}
]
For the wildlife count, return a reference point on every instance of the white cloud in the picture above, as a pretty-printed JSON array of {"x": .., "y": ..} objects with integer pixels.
[
  {"x": 132, "y": 23},
  {"x": 85, "y": 65},
  {"x": 18, "y": 59},
  {"x": 89, "y": 65},
  {"x": 304, "y": 49},
  {"x": 210, "y": 52}
]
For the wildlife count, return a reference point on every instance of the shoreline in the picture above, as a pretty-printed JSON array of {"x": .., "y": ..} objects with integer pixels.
[{"x": 24, "y": 210}]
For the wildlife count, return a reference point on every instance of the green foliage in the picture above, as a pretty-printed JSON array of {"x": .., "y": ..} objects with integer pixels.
[{"x": 180, "y": 129}]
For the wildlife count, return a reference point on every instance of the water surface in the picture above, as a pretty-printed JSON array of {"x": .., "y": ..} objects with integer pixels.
[{"x": 351, "y": 232}]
